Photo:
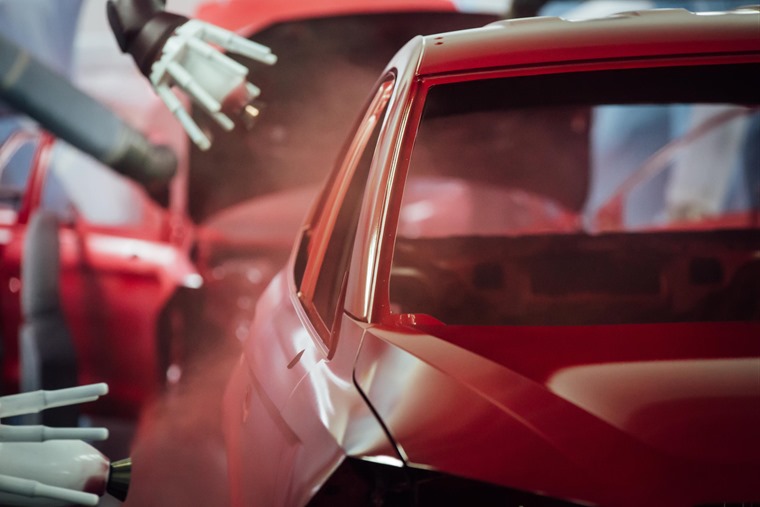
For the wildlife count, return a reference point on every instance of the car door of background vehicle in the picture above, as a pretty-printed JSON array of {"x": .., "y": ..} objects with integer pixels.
[
  {"x": 29, "y": 186},
  {"x": 20, "y": 157},
  {"x": 300, "y": 415},
  {"x": 118, "y": 270},
  {"x": 116, "y": 274}
]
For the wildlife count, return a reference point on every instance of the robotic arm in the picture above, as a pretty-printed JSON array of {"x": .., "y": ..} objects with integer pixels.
[
  {"x": 172, "y": 50},
  {"x": 32, "y": 88},
  {"x": 46, "y": 466}
]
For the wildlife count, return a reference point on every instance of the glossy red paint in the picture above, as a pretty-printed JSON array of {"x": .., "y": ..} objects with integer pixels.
[
  {"x": 657, "y": 407},
  {"x": 280, "y": 214},
  {"x": 666, "y": 413},
  {"x": 529, "y": 45},
  {"x": 250, "y": 16},
  {"x": 114, "y": 282}
]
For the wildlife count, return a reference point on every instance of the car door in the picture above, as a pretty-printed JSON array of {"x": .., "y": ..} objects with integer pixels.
[
  {"x": 299, "y": 390},
  {"x": 119, "y": 263},
  {"x": 20, "y": 156},
  {"x": 120, "y": 267}
]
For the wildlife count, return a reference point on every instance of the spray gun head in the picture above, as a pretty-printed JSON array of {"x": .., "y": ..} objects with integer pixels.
[
  {"x": 242, "y": 105},
  {"x": 250, "y": 115},
  {"x": 120, "y": 474}
]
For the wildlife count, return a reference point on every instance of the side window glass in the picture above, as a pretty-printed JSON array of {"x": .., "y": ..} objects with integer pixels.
[
  {"x": 335, "y": 262},
  {"x": 77, "y": 182},
  {"x": 54, "y": 198},
  {"x": 15, "y": 168},
  {"x": 338, "y": 222}
]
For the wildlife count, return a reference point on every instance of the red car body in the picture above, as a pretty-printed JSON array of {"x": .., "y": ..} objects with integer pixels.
[
  {"x": 251, "y": 16},
  {"x": 115, "y": 278},
  {"x": 418, "y": 350}
]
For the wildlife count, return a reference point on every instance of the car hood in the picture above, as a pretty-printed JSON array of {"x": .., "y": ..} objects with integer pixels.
[
  {"x": 622, "y": 415},
  {"x": 269, "y": 221},
  {"x": 250, "y": 16}
]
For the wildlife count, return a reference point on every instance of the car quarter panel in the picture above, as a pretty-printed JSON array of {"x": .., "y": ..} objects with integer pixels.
[
  {"x": 291, "y": 415},
  {"x": 258, "y": 438},
  {"x": 331, "y": 419}
]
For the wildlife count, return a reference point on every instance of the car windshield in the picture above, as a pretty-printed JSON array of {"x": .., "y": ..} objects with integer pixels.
[
  {"x": 592, "y": 198},
  {"x": 71, "y": 179},
  {"x": 309, "y": 101}
]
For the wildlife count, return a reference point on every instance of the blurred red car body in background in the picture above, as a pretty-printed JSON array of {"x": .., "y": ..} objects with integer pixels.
[
  {"x": 120, "y": 264},
  {"x": 329, "y": 53}
]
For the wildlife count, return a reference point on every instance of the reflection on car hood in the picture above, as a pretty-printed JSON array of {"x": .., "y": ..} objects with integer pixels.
[
  {"x": 272, "y": 220},
  {"x": 669, "y": 411},
  {"x": 249, "y": 16}
]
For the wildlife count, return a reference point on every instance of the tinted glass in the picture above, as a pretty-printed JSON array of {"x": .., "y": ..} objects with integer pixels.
[
  {"x": 334, "y": 265},
  {"x": 590, "y": 198},
  {"x": 76, "y": 181},
  {"x": 14, "y": 173}
]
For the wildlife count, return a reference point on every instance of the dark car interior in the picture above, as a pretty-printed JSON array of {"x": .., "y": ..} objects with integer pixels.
[{"x": 527, "y": 206}]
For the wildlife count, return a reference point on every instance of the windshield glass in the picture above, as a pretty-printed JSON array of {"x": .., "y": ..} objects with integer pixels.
[
  {"x": 76, "y": 181},
  {"x": 309, "y": 102},
  {"x": 590, "y": 198}
]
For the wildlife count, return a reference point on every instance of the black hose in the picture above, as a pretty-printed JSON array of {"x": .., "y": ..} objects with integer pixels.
[{"x": 31, "y": 88}]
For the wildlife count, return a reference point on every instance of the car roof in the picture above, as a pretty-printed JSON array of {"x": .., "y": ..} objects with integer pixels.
[
  {"x": 547, "y": 40},
  {"x": 251, "y": 16}
]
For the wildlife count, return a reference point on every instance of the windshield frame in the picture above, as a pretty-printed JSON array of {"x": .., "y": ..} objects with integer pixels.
[{"x": 381, "y": 310}]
